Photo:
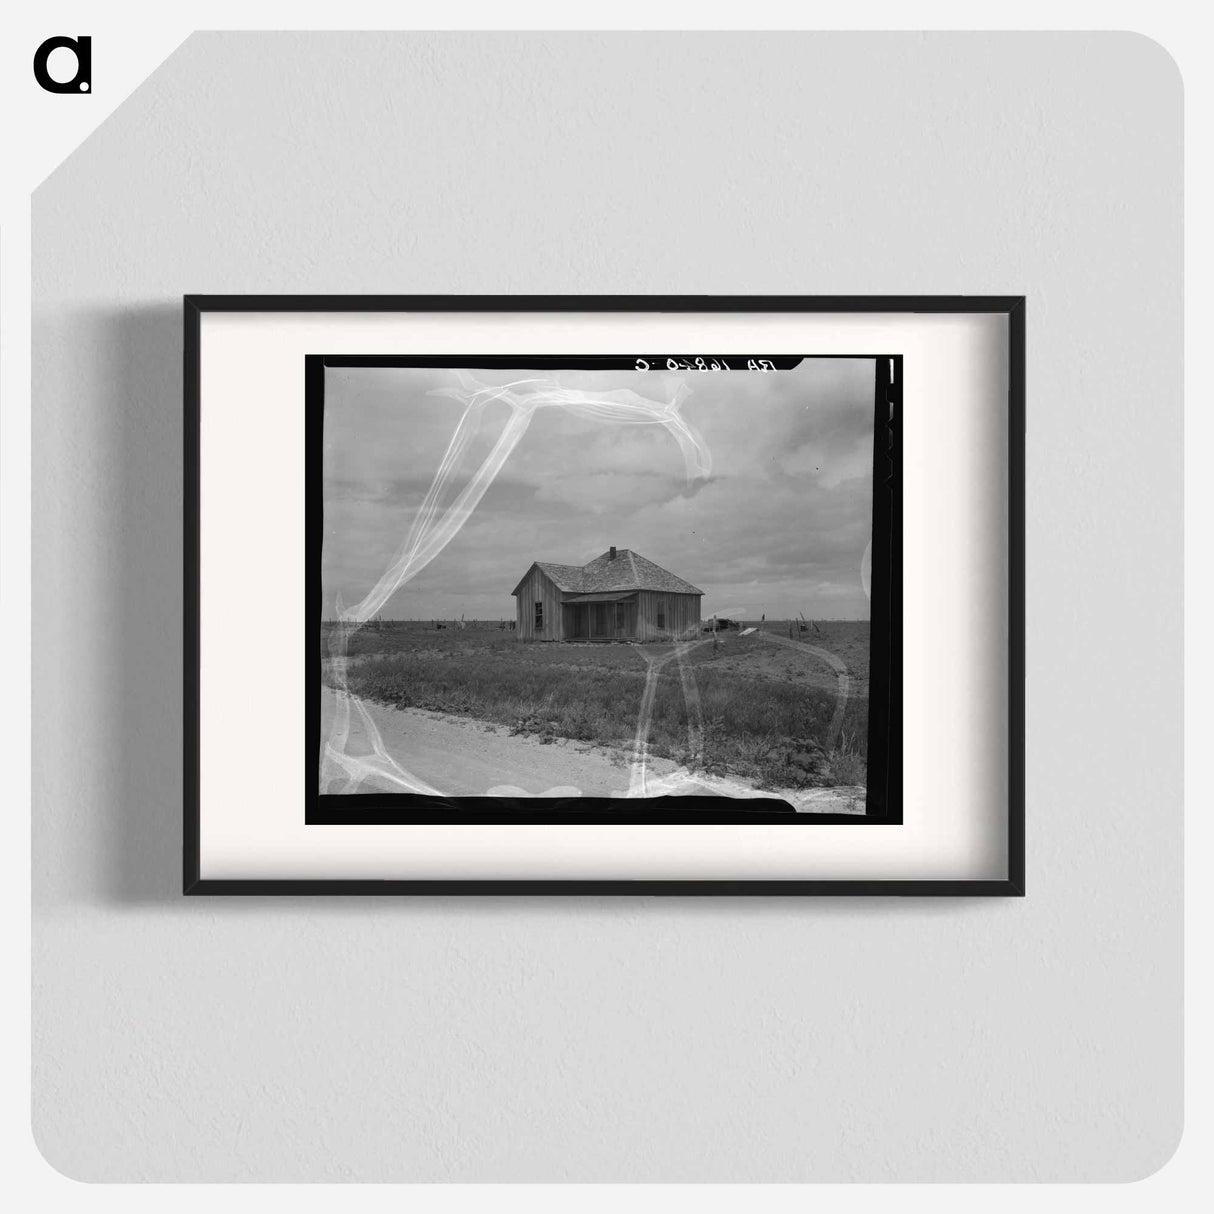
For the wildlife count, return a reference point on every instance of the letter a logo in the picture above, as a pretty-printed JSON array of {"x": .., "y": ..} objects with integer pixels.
[{"x": 82, "y": 81}]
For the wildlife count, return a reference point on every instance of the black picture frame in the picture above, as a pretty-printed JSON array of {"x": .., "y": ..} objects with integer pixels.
[{"x": 887, "y": 556}]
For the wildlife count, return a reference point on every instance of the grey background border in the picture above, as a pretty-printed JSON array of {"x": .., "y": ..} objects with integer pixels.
[{"x": 1034, "y": 1039}]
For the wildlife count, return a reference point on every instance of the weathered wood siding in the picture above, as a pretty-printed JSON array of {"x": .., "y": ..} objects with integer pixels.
[
  {"x": 681, "y": 614},
  {"x": 539, "y": 588},
  {"x": 681, "y": 611},
  {"x": 616, "y": 621}
]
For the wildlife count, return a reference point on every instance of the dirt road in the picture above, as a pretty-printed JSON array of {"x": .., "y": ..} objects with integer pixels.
[{"x": 462, "y": 757}]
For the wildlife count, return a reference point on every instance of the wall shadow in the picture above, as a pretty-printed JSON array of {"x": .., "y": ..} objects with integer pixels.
[{"x": 142, "y": 400}]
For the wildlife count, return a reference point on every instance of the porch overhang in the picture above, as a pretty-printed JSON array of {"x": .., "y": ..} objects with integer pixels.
[{"x": 606, "y": 596}]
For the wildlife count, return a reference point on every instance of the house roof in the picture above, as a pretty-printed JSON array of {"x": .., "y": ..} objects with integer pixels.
[
  {"x": 629, "y": 571},
  {"x": 566, "y": 577}
]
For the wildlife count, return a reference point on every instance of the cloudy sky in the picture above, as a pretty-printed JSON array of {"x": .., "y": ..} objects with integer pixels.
[{"x": 778, "y": 527}]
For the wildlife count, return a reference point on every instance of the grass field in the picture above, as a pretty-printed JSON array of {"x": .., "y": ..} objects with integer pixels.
[{"x": 766, "y": 708}]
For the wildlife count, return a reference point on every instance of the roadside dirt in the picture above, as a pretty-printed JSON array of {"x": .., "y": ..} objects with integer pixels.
[{"x": 462, "y": 757}]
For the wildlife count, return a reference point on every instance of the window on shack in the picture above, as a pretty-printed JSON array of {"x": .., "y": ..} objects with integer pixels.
[{"x": 539, "y": 615}]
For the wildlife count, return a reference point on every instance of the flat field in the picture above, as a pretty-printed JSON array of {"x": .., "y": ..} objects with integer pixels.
[{"x": 765, "y": 707}]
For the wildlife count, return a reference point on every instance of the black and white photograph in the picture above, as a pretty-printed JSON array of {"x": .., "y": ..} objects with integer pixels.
[{"x": 645, "y": 584}]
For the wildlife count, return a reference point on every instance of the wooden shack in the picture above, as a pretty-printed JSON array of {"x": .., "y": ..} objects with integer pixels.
[{"x": 619, "y": 596}]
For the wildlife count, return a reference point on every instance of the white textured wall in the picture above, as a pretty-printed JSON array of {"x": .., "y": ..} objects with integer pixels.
[{"x": 630, "y": 1038}]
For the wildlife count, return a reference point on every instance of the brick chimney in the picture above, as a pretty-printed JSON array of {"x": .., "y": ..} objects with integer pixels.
[{"x": 612, "y": 556}]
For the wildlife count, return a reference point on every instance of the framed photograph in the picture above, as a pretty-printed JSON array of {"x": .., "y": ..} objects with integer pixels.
[{"x": 604, "y": 595}]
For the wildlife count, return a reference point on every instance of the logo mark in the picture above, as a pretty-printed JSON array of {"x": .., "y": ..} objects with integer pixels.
[{"x": 82, "y": 48}]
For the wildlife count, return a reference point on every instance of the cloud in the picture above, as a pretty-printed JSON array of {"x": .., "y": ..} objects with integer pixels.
[
  {"x": 781, "y": 525},
  {"x": 830, "y": 469},
  {"x": 602, "y": 491}
]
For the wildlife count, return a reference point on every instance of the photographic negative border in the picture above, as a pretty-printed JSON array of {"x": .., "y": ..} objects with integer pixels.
[
  {"x": 1013, "y": 307},
  {"x": 883, "y": 787}
]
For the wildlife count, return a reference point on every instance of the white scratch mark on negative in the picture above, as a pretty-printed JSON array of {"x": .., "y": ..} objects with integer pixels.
[{"x": 433, "y": 528}]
